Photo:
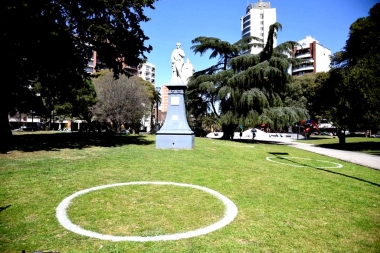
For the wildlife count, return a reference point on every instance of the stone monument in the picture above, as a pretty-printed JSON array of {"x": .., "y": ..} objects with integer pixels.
[{"x": 176, "y": 133}]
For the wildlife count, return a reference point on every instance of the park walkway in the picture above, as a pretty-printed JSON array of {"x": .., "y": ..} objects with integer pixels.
[{"x": 367, "y": 160}]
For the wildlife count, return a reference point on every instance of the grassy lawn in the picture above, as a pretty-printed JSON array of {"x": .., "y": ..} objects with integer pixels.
[
  {"x": 359, "y": 144},
  {"x": 288, "y": 200}
]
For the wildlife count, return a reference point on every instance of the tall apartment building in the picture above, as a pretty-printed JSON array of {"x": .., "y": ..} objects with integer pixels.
[
  {"x": 256, "y": 21},
  {"x": 317, "y": 57},
  {"x": 147, "y": 71},
  {"x": 94, "y": 64}
]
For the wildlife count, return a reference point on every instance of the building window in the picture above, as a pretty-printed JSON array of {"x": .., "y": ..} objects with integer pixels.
[
  {"x": 261, "y": 16},
  {"x": 261, "y": 28},
  {"x": 262, "y": 34},
  {"x": 261, "y": 22},
  {"x": 248, "y": 17},
  {"x": 246, "y": 30},
  {"x": 246, "y": 24},
  {"x": 247, "y": 35}
]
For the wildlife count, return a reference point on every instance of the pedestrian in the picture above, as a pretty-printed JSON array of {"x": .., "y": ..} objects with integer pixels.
[{"x": 253, "y": 131}]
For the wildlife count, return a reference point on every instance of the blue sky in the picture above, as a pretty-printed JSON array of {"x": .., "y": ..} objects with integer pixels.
[{"x": 175, "y": 21}]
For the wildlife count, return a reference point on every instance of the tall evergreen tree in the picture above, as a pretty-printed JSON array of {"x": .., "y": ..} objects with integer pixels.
[{"x": 248, "y": 86}]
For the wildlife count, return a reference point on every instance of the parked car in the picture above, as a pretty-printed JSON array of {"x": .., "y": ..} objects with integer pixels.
[
  {"x": 375, "y": 135},
  {"x": 123, "y": 131},
  {"x": 27, "y": 128}
]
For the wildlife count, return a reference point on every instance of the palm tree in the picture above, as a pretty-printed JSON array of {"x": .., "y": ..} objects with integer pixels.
[
  {"x": 155, "y": 100},
  {"x": 247, "y": 86}
]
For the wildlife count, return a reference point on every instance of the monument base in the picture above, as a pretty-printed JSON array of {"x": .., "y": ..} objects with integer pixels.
[{"x": 175, "y": 140}]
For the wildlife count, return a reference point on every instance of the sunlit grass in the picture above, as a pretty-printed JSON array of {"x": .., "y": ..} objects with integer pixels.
[
  {"x": 359, "y": 144},
  {"x": 294, "y": 205}
]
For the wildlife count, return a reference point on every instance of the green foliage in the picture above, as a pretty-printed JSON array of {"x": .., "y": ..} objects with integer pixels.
[
  {"x": 122, "y": 101},
  {"x": 247, "y": 87},
  {"x": 49, "y": 44},
  {"x": 351, "y": 93}
]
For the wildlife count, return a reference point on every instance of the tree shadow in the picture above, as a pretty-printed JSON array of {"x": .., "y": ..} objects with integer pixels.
[
  {"x": 370, "y": 147},
  {"x": 56, "y": 141},
  {"x": 322, "y": 169},
  {"x": 2, "y": 208}
]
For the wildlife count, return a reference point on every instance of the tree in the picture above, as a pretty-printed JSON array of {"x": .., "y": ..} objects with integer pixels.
[
  {"x": 122, "y": 101},
  {"x": 351, "y": 93},
  {"x": 248, "y": 87},
  {"x": 302, "y": 91},
  {"x": 50, "y": 43}
]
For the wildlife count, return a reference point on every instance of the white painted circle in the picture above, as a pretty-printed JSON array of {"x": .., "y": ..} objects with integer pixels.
[
  {"x": 338, "y": 165},
  {"x": 229, "y": 215}
]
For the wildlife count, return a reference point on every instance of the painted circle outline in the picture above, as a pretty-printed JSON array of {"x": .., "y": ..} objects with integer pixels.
[
  {"x": 230, "y": 213},
  {"x": 309, "y": 159}
]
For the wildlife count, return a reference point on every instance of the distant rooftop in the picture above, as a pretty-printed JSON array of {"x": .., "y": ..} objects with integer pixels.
[{"x": 259, "y": 5}]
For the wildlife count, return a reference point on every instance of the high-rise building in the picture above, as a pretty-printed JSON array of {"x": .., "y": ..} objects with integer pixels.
[
  {"x": 94, "y": 65},
  {"x": 256, "y": 21},
  {"x": 316, "y": 56},
  {"x": 147, "y": 71}
]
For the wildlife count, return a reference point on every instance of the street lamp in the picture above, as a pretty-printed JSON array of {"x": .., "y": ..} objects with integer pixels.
[{"x": 158, "y": 89}]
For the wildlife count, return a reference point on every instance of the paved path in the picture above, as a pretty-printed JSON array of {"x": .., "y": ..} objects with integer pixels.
[{"x": 371, "y": 161}]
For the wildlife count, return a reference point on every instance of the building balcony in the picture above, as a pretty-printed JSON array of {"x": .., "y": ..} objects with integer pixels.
[
  {"x": 303, "y": 55},
  {"x": 303, "y": 68}
]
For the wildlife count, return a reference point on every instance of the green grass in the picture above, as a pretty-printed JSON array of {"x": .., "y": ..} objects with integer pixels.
[
  {"x": 281, "y": 207},
  {"x": 359, "y": 144}
]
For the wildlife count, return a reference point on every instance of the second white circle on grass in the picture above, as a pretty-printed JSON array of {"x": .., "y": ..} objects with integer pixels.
[
  {"x": 230, "y": 213},
  {"x": 337, "y": 165}
]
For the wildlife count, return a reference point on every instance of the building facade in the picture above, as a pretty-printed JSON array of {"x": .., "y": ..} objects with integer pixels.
[
  {"x": 94, "y": 65},
  {"x": 316, "y": 56},
  {"x": 147, "y": 71},
  {"x": 256, "y": 21}
]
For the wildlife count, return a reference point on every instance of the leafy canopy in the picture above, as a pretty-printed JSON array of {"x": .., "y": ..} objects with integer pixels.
[{"x": 246, "y": 87}]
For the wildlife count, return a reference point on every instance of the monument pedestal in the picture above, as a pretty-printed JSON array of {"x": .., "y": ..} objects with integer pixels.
[{"x": 175, "y": 133}]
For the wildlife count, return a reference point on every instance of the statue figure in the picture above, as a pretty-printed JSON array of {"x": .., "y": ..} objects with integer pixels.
[
  {"x": 177, "y": 61},
  {"x": 187, "y": 71}
]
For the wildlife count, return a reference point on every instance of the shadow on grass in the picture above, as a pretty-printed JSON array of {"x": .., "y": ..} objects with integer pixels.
[
  {"x": 372, "y": 148},
  {"x": 2, "y": 208},
  {"x": 322, "y": 169},
  {"x": 56, "y": 141}
]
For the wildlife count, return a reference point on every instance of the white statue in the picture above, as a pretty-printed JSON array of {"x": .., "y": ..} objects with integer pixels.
[
  {"x": 177, "y": 61},
  {"x": 187, "y": 71}
]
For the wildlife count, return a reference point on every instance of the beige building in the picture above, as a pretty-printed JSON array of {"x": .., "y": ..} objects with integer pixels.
[{"x": 316, "y": 56}]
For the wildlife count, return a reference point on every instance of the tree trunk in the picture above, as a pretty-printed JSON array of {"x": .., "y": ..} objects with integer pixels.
[
  {"x": 228, "y": 132},
  {"x": 342, "y": 136},
  {"x": 5, "y": 132}
]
